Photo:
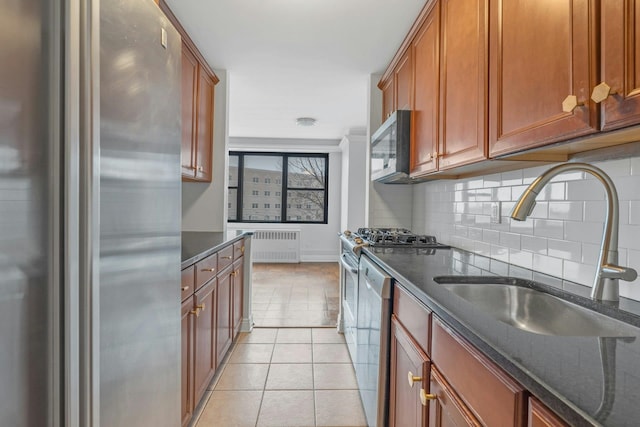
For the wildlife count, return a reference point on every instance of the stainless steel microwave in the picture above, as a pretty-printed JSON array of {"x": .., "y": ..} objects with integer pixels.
[{"x": 391, "y": 148}]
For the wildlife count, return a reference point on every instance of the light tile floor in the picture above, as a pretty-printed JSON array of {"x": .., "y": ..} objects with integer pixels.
[
  {"x": 286, "y": 377},
  {"x": 304, "y": 294}
]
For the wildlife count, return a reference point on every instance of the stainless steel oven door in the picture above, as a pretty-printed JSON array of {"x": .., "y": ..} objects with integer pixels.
[{"x": 349, "y": 301}]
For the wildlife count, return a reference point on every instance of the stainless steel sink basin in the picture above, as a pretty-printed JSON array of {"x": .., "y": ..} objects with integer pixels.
[{"x": 538, "y": 312}]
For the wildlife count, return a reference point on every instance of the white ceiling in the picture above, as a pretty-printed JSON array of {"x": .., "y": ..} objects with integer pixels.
[{"x": 292, "y": 58}]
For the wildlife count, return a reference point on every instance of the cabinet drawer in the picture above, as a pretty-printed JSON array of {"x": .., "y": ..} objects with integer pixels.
[
  {"x": 494, "y": 397},
  {"x": 187, "y": 281},
  {"x": 238, "y": 249},
  {"x": 225, "y": 257},
  {"x": 206, "y": 270},
  {"x": 414, "y": 316},
  {"x": 541, "y": 416}
]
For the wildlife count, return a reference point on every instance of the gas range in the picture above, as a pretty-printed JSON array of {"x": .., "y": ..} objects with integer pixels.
[{"x": 388, "y": 238}]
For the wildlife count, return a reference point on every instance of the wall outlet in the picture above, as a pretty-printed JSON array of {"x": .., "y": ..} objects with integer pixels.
[{"x": 496, "y": 212}]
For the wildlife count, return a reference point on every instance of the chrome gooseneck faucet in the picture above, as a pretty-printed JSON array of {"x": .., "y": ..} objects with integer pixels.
[{"x": 605, "y": 285}]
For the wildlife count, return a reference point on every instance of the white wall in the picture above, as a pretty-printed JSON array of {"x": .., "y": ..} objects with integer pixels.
[
  {"x": 354, "y": 182},
  {"x": 561, "y": 238},
  {"x": 318, "y": 242},
  {"x": 203, "y": 204},
  {"x": 389, "y": 204}
]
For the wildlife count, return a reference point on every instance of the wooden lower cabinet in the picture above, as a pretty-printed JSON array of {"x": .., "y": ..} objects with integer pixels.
[
  {"x": 187, "y": 361},
  {"x": 445, "y": 407},
  {"x": 237, "y": 293},
  {"x": 224, "y": 330},
  {"x": 204, "y": 341},
  {"x": 540, "y": 416},
  {"x": 409, "y": 375}
]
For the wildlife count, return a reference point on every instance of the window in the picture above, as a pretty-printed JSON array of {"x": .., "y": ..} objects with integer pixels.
[{"x": 298, "y": 180}]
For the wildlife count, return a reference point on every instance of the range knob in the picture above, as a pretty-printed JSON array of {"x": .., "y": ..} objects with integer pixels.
[
  {"x": 358, "y": 240},
  {"x": 347, "y": 233}
]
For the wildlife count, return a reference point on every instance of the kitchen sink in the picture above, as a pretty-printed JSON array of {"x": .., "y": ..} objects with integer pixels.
[{"x": 538, "y": 312}]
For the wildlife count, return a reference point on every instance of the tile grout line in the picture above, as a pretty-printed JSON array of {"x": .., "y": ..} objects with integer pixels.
[{"x": 264, "y": 386}]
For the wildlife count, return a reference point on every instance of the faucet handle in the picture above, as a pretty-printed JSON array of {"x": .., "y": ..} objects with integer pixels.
[{"x": 609, "y": 271}]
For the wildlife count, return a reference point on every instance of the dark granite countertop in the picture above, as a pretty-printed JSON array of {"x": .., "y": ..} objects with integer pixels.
[
  {"x": 565, "y": 372},
  {"x": 197, "y": 245}
]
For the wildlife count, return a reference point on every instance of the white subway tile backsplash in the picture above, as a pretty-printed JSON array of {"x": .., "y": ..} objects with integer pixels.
[
  {"x": 533, "y": 244},
  {"x": 548, "y": 228},
  {"x": 564, "y": 249},
  {"x": 571, "y": 211},
  {"x": 547, "y": 265},
  {"x": 588, "y": 189},
  {"x": 510, "y": 240},
  {"x": 580, "y": 273},
  {"x": 561, "y": 238},
  {"x": 512, "y": 178},
  {"x": 521, "y": 258},
  {"x": 553, "y": 191},
  {"x": 590, "y": 253},
  {"x": 589, "y": 232},
  {"x": 595, "y": 211},
  {"x": 629, "y": 236},
  {"x": 634, "y": 212},
  {"x": 521, "y": 227},
  {"x": 491, "y": 236},
  {"x": 613, "y": 168},
  {"x": 540, "y": 210}
]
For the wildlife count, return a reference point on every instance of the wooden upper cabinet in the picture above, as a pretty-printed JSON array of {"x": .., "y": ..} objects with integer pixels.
[
  {"x": 540, "y": 53},
  {"x": 541, "y": 416},
  {"x": 463, "y": 82},
  {"x": 189, "y": 85},
  {"x": 404, "y": 82},
  {"x": 447, "y": 409},
  {"x": 620, "y": 62},
  {"x": 408, "y": 360},
  {"x": 424, "y": 120},
  {"x": 388, "y": 98},
  {"x": 204, "y": 126},
  {"x": 198, "y": 81}
]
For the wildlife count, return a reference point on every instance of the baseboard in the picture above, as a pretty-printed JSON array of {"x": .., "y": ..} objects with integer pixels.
[
  {"x": 319, "y": 258},
  {"x": 247, "y": 324}
]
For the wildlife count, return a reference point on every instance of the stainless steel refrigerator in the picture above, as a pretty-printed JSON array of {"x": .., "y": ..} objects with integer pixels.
[{"x": 90, "y": 214}]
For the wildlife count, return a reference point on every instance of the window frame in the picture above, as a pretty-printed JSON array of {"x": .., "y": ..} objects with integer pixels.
[{"x": 284, "y": 187}]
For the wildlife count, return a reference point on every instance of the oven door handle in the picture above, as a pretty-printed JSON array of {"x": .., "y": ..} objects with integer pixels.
[{"x": 348, "y": 266}]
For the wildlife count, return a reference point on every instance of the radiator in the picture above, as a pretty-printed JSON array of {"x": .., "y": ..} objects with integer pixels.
[{"x": 275, "y": 246}]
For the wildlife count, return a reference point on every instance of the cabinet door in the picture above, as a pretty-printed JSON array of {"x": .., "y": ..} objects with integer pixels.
[
  {"x": 404, "y": 82},
  {"x": 189, "y": 80},
  {"x": 446, "y": 409},
  {"x": 541, "y": 416},
  {"x": 464, "y": 59},
  {"x": 223, "y": 313},
  {"x": 620, "y": 53},
  {"x": 204, "y": 341},
  {"x": 237, "y": 291},
  {"x": 424, "y": 126},
  {"x": 187, "y": 361},
  {"x": 407, "y": 361},
  {"x": 388, "y": 101},
  {"x": 204, "y": 127},
  {"x": 540, "y": 53}
]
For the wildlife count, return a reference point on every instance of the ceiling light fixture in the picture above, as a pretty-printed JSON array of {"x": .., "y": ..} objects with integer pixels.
[{"x": 305, "y": 121}]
